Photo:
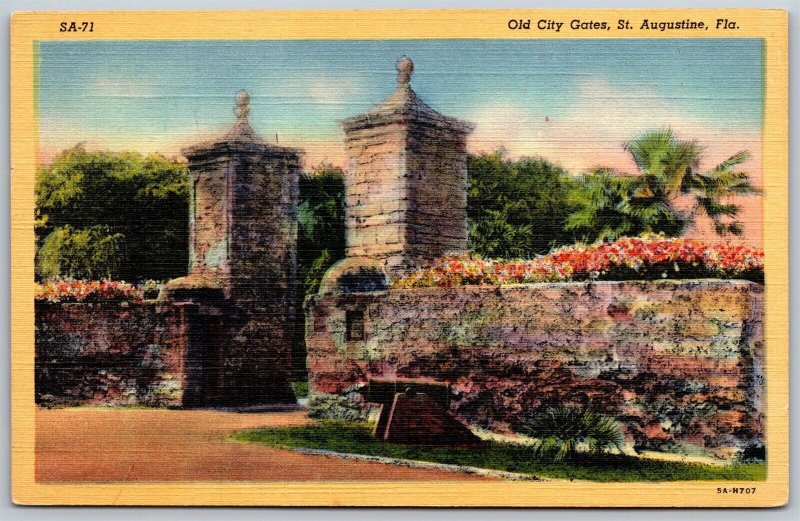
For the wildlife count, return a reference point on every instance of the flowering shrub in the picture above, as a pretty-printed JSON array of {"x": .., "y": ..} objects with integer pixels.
[
  {"x": 87, "y": 291},
  {"x": 643, "y": 258},
  {"x": 150, "y": 289}
]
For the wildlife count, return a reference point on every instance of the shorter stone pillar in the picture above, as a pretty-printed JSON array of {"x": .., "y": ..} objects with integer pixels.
[{"x": 243, "y": 263}]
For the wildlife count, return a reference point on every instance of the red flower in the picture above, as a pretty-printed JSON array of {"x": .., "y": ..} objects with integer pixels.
[
  {"x": 644, "y": 257},
  {"x": 87, "y": 291}
]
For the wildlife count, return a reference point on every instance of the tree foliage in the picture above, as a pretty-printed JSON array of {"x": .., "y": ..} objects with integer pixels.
[
  {"x": 612, "y": 205},
  {"x": 92, "y": 253},
  {"x": 321, "y": 224},
  {"x": 320, "y": 241},
  {"x": 608, "y": 209},
  {"x": 125, "y": 216},
  {"x": 517, "y": 209},
  {"x": 114, "y": 215}
]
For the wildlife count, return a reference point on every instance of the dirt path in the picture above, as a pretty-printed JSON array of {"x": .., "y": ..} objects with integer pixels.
[{"x": 99, "y": 444}]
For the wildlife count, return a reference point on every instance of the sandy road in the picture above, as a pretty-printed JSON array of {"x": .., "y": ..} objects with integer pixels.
[{"x": 117, "y": 444}]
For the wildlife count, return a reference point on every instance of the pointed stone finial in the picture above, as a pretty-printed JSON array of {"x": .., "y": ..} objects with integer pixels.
[
  {"x": 405, "y": 68},
  {"x": 242, "y": 109}
]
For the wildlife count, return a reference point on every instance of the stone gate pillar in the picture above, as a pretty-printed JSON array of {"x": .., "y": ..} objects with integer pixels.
[
  {"x": 406, "y": 181},
  {"x": 243, "y": 263}
]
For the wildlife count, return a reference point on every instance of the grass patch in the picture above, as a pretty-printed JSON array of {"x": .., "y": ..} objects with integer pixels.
[{"x": 355, "y": 438}]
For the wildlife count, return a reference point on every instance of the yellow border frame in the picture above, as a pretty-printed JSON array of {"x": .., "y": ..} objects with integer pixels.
[{"x": 29, "y": 27}]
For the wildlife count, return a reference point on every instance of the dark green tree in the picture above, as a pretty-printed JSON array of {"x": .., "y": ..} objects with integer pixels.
[
  {"x": 517, "y": 208},
  {"x": 320, "y": 241},
  {"x": 608, "y": 209},
  {"x": 116, "y": 215},
  {"x": 613, "y": 204},
  {"x": 91, "y": 253}
]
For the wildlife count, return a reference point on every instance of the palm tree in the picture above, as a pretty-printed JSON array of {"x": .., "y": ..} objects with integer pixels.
[{"x": 615, "y": 204}]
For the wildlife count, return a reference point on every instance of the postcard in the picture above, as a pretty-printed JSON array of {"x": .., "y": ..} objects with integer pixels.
[{"x": 400, "y": 258}]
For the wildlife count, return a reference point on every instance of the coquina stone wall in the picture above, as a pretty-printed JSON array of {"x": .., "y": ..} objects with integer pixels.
[
  {"x": 112, "y": 353},
  {"x": 677, "y": 363}
]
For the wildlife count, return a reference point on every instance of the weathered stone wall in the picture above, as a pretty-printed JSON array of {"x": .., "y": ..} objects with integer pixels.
[
  {"x": 263, "y": 236},
  {"x": 243, "y": 219},
  {"x": 208, "y": 217},
  {"x": 263, "y": 233},
  {"x": 222, "y": 335},
  {"x": 406, "y": 194},
  {"x": 676, "y": 362},
  {"x": 112, "y": 353}
]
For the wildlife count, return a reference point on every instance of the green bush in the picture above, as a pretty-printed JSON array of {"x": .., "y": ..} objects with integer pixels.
[
  {"x": 560, "y": 431},
  {"x": 320, "y": 241},
  {"x": 517, "y": 209},
  {"x": 80, "y": 253},
  {"x": 337, "y": 407},
  {"x": 300, "y": 389}
]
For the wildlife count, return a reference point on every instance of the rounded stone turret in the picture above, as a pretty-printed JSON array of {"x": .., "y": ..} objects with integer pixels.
[
  {"x": 192, "y": 288},
  {"x": 354, "y": 275}
]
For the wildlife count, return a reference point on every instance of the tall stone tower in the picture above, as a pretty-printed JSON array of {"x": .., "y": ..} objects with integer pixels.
[
  {"x": 243, "y": 264},
  {"x": 406, "y": 181}
]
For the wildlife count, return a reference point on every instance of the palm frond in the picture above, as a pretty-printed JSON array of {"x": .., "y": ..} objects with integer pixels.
[
  {"x": 727, "y": 183},
  {"x": 651, "y": 149},
  {"x": 682, "y": 159},
  {"x": 733, "y": 161},
  {"x": 728, "y": 228},
  {"x": 715, "y": 209}
]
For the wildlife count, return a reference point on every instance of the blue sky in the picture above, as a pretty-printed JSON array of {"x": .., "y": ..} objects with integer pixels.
[{"x": 573, "y": 101}]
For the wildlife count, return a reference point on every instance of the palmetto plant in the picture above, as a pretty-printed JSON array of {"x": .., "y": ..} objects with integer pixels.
[
  {"x": 560, "y": 431},
  {"x": 613, "y": 206},
  {"x": 668, "y": 169}
]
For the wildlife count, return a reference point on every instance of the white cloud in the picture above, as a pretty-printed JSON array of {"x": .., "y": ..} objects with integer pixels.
[
  {"x": 591, "y": 132},
  {"x": 335, "y": 91}
]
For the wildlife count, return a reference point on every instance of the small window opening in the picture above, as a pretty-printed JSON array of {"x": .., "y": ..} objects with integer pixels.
[{"x": 355, "y": 324}]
